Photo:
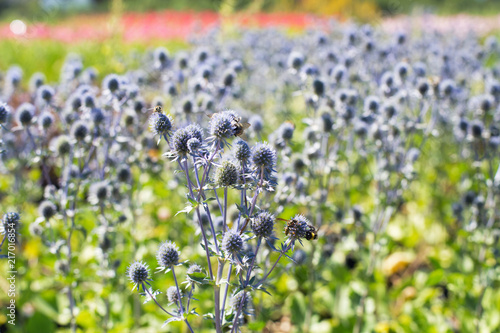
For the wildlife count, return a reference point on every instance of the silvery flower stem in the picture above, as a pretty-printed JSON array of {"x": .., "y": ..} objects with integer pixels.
[
  {"x": 218, "y": 322},
  {"x": 259, "y": 241},
  {"x": 181, "y": 307},
  {"x": 3, "y": 240},
  {"x": 224, "y": 224},
  {"x": 201, "y": 224},
  {"x": 383, "y": 216},
  {"x": 42, "y": 164},
  {"x": 218, "y": 202},
  {"x": 216, "y": 287},
  {"x": 243, "y": 196},
  {"x": 277, "y": 260},
  {"x": 189, "y": 326},
  {"x": 189, "y": 298},
  {"x": 154, "y": 299},
  {"x": 223, "y": 308},
  {"x": 66, "y": 177},
  {"x": 112, "y": 134},
  {"x": 185, "y": 167},
  {"x": 207, "y": 166},
  {"x": 254, "y": 200},
  {"x": 207, "y": 211},
  {"x": 482, "y": 253},
  {"x": 236, "y": 317},
  {"x": 68, "y": 245}
]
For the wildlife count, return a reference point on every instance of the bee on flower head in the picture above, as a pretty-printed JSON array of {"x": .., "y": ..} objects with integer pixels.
[
  {"x": 237, "y": 126},
  {"x": 157, "y": 109},
  {"x": 299, "y": 227},
  {"x": 240, "y": 127},
  {"x": 311, "y": 233}
]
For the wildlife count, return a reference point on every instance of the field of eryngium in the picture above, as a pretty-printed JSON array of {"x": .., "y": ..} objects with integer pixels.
[{"x": 341, "y": 179}]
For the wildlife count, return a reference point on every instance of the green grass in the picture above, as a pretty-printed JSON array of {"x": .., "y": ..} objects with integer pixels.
[{"x": 47, "y": 56}]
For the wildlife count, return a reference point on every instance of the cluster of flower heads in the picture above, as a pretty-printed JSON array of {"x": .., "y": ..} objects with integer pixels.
[{"x": 335, "y": 102}]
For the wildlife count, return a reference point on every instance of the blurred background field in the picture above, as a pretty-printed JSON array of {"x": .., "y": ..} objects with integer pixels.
[{"x": 107, "y": 33}]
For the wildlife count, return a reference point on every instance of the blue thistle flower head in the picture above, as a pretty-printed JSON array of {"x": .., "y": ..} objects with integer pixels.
[
  {"x": 173, "y": 295},
  {"x": 402, "y": 69},
  {"x": 286, "y": 130},
  {"x": 167, "y": 255},
  {"x": 45, "y": 93},
  {"x": 62, "y": 145},
  {"x": 387, "y": 79},
  {"x": 25, "y": 113},
  {"x": 111, "y": 83},
  {"x": 14, "y": 75},
  {"x": 477, "y": 128},
  {"x": 326, "y": 121},
  {"x": 47, "y": 209},
  {"x": 222, "y": 125},
  {"x": 74, "y": 102},
  {"x": 161, "y": 124},
  {"x": 99, "y": 192},
  {"x": 46, "y": 120},
  {"x": 194, "y": 268},
  {"x": 226, "y": 175},
  {"x": 447, "y": 87},
  {"x": 161, "y": 57},
  {"x": 205, "y": 72},
  {"x": 88, "y": 100},
  {"x": 202, "y": 54},
  {"x": 97, "y": 115},
  {"x": 232, "y": 243},
  {"x": 297, "y": 227},
  {"x": 228, "y": 78},
  {"x": 79, "y": 130},
  {"x": 263, "y": 224},
  {"x": 318, "y": 87},
  {"x": 372, "y": 104},
  {"x": 138, "y": 274},
  {"x": 257, "y": 123},
  {"x": 194, "y": 145},
  {"x": 10, "y": 220},
  {"x": 182, "y": 59},
  {"x": 243, "y": 300},
  {"x": 123, "y": 174},
  {"x": 389, "y": 109},
  {"x": 338, "y": 73},
  {"x": 242, "y": 151},
  {"x": 181, "y": 137},
  {"x": 4, "y": 113},
  {"x": 36, "y": 80},
  {"x": 295, "y": 60},
  {"x": 264, "y": 156}
]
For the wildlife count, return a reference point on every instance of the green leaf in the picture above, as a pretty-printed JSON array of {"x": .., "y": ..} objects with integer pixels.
[
  {"x": 199, "y": 277},
  {"x": 192, "y": 201},
  {"x": 40, "y": 323},
  {"x": 168, "y": 321},
  {"x": 257, "y": 325},
  {"x": 435, "y": 277},
  {"x": 186, "y": 210},
  {"x": 298, "y": 308}
]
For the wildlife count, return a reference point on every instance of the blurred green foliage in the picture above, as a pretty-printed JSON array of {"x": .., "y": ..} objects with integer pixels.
[{"x": 109, "y": 57}]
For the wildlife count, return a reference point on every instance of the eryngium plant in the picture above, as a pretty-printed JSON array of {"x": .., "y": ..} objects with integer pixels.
[{"x": 217, "y": 171}]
